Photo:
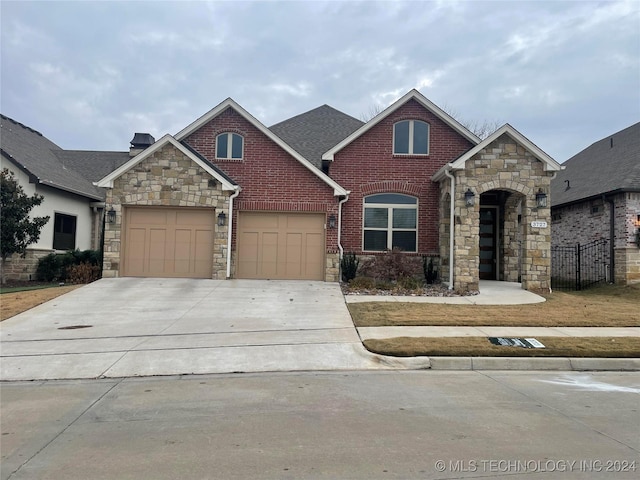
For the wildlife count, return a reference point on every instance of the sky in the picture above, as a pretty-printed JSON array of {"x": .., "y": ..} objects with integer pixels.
[{"x": 90, "y": 74}]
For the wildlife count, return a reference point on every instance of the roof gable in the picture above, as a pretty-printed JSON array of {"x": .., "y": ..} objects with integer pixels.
[
  {"x": 230, "y": 103},
  {"x": 550, "y": 165},
  {"x": 314, "y": 132},
  {"x": 608, "y": 165},
  {"x": 37, "y": 156},
  {"x": 411, "y": 95},
  {"x": 227, "y": 183}
]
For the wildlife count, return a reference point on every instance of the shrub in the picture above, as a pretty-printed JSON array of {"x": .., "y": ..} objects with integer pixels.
[
  {"x": 83, "y": 273},
  {"x": 365, "y": 283},
  {"x": 349, "y": 265},
  {"x": 430, "y": 273},
  {"x": 391, "y": 266},
  {"x": 410, "y": 283},
  {"x": 60, "y": 266}
]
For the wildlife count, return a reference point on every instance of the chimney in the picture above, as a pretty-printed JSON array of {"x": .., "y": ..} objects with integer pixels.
[{"x": 140, "y": 142}]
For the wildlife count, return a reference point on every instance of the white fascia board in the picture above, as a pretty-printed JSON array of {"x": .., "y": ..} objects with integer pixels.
[
  {"x": 411, "y": 95},
  {"x": 107, "y": 182},
  {"x": 550, "y": 165},
  {"x": 230, "y": 103}
]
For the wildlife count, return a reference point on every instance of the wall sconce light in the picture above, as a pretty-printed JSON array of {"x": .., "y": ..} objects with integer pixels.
[
  {"x": 222, "y": 219},
  {"x": 541, "y": 199},
  {"x": 111, "y": 215},
  {"x": 332, "y": 221},
  {"x": 469, "y": 198}
]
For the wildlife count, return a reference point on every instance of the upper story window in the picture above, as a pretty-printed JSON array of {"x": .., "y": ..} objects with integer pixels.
[
  {"x": 64, "y": 232},
  {"x": 390, "y": 220},
  {"x": 229, "y": 146},
  {"x": 411, "y": 137}
]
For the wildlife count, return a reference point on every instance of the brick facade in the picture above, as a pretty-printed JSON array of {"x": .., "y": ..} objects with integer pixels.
[
  {"x": 586, "y": 221},
  {"x": 368, "y": 166}
]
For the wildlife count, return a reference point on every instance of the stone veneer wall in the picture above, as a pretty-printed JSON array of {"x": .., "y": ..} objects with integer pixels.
[
  {"x": 503, "y": 165},
  {"x": 18, "y": 268},
  {"x": 166, "y": 178}
]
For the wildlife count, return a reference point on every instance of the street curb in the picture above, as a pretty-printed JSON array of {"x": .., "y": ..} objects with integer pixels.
[{"x": 537, "y": 363}]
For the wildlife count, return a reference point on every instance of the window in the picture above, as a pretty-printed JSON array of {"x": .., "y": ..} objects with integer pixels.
[
  {"x": 64, "y": 232},
  {"x": 390, "y": 220},
  {"x": 411, "y": 137},
  {"x": 229, "y": 145}
]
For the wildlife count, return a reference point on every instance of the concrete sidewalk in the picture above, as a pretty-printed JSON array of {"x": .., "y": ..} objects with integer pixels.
[{"x": 491, "y": 293}]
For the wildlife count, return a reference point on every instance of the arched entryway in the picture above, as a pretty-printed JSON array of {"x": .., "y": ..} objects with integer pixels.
[{"x": 500, "y": 235}]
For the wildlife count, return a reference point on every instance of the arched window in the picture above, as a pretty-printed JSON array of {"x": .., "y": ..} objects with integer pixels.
[
  {"x": 390, "y": 220},
  {"x": 411, "y": 137},
  {"x": 229, "y": 146}
]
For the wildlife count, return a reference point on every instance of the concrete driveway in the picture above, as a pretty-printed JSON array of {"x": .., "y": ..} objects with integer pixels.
[{"x": 137, "y": 327}]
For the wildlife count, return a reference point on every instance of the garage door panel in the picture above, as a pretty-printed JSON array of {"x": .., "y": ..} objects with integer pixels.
[
  {"x": 169, "y": 242},
  {"x": 281, "y": 245}
]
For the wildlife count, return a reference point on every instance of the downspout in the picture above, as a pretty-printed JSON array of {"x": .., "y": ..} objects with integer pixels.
[
  {"x": 340, "y": 249},
  {"x": 612, "y": 237},
  {"x": 237, "y": 192},
  {"x": 451, "y": 224}
]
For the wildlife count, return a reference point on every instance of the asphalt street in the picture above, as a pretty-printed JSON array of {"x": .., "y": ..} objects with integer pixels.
[{"x": 337, "y": 425}]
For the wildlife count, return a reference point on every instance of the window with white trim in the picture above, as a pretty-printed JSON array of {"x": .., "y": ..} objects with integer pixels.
[
  {"x": 390, "y": 220},
  {"x": 229, "y": 146},
  {"x": 411, "y": 137}
]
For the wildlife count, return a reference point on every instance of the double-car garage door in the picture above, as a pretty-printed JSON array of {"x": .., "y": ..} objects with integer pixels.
[{"x": 179, "y": 242}]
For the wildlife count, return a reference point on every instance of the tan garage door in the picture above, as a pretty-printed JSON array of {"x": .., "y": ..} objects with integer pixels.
[
  {"x": 168, "y": 242},
  {"x": 284, "y": 246}
]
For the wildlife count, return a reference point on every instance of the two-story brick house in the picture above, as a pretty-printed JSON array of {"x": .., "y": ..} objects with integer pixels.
[{"x": 228, "y": 197}]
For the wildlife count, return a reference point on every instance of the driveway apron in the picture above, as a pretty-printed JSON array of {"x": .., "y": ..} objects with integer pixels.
[{"x": 128, "y": 327}]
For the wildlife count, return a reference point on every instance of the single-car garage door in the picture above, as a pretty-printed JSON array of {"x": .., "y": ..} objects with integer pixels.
[
  {"x": 168, "y": 242},
  {"x": 284, "y": 246}
]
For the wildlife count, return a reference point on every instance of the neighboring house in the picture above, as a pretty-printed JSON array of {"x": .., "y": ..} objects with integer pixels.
[
  {"x": 227, "y": 197},
  {"x": 65, "y": 179},
  {"x": 597, "y": 197}
]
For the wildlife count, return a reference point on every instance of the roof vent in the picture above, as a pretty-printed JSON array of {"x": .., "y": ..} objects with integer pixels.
[{"x": 140, "y": 142}]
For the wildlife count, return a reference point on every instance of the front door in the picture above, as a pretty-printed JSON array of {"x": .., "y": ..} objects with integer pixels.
[{"x": 488, "y": 243}]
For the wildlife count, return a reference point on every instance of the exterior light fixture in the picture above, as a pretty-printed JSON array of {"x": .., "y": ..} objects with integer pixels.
[
  {"x": 111, "y": 215},
  {"x": 541, "y": 199},
  {"x": 332, "y": 221},
  {"x": 469, "y": 198},
  {"x": 222, "y": 219}
]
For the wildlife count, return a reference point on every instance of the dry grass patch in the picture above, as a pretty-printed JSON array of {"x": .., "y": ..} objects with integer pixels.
[
  {"x": 14, "y": 303},
  {"x": 601, "y": 347},
  {"x": 606, "y": 306}
]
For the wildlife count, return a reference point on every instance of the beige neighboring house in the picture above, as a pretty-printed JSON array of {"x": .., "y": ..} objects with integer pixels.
[{"x": 64, "y": 178}]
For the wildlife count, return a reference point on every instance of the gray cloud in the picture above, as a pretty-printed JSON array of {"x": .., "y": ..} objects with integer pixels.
[{"x": 89, "y": 74}]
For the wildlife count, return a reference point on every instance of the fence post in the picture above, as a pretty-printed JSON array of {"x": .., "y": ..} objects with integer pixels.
[{"x": 578, "y": 272}]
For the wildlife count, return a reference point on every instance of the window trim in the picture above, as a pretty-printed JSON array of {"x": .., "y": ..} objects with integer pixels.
[
  {"x": 390, "y": 229},
  {"x": 229, "y": 146},
  {"x": 57, "y": 215},
  {"x": 411, "y": 136}
]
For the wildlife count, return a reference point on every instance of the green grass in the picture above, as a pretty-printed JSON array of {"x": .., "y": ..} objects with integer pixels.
[{"x": 26, "y": 289}]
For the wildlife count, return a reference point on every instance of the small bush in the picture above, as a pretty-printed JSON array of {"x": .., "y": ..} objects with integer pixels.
[
  {"x": 349, "y": 265},
  {"x": 385, "y": 285},
  {"x": 60, "y": 266},
  {"x": 430, "y": 273},
  {"x": 391, "y": 266},
  {"x": 410, "y": 283},
  {"x": 83, "y": 273},
  {"x": 365, "y": 283}
]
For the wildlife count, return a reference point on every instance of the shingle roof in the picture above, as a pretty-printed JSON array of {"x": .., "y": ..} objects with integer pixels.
[
  {"x": 39, "y": 157},
  {"x": 314, "y": 132},
  {"x": 90, "y": 164},
  {"x": 609, "y": 165}
]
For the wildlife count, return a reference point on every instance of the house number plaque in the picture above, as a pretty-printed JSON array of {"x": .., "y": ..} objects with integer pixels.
[{"x": 539, "y": 224}]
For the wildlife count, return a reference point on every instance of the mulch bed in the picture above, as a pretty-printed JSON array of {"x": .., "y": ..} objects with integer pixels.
[{"x": 434, "y": 290}]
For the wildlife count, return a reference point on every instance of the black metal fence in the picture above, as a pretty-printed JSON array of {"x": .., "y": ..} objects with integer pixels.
[{"x": 577, "y": 267}]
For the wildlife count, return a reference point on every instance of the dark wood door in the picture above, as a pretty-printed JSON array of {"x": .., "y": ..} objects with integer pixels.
[{"x": 487, "y": 243}]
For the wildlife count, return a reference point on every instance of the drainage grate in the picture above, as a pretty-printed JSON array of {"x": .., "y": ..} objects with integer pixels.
[{"x": 73, "y": 327}]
